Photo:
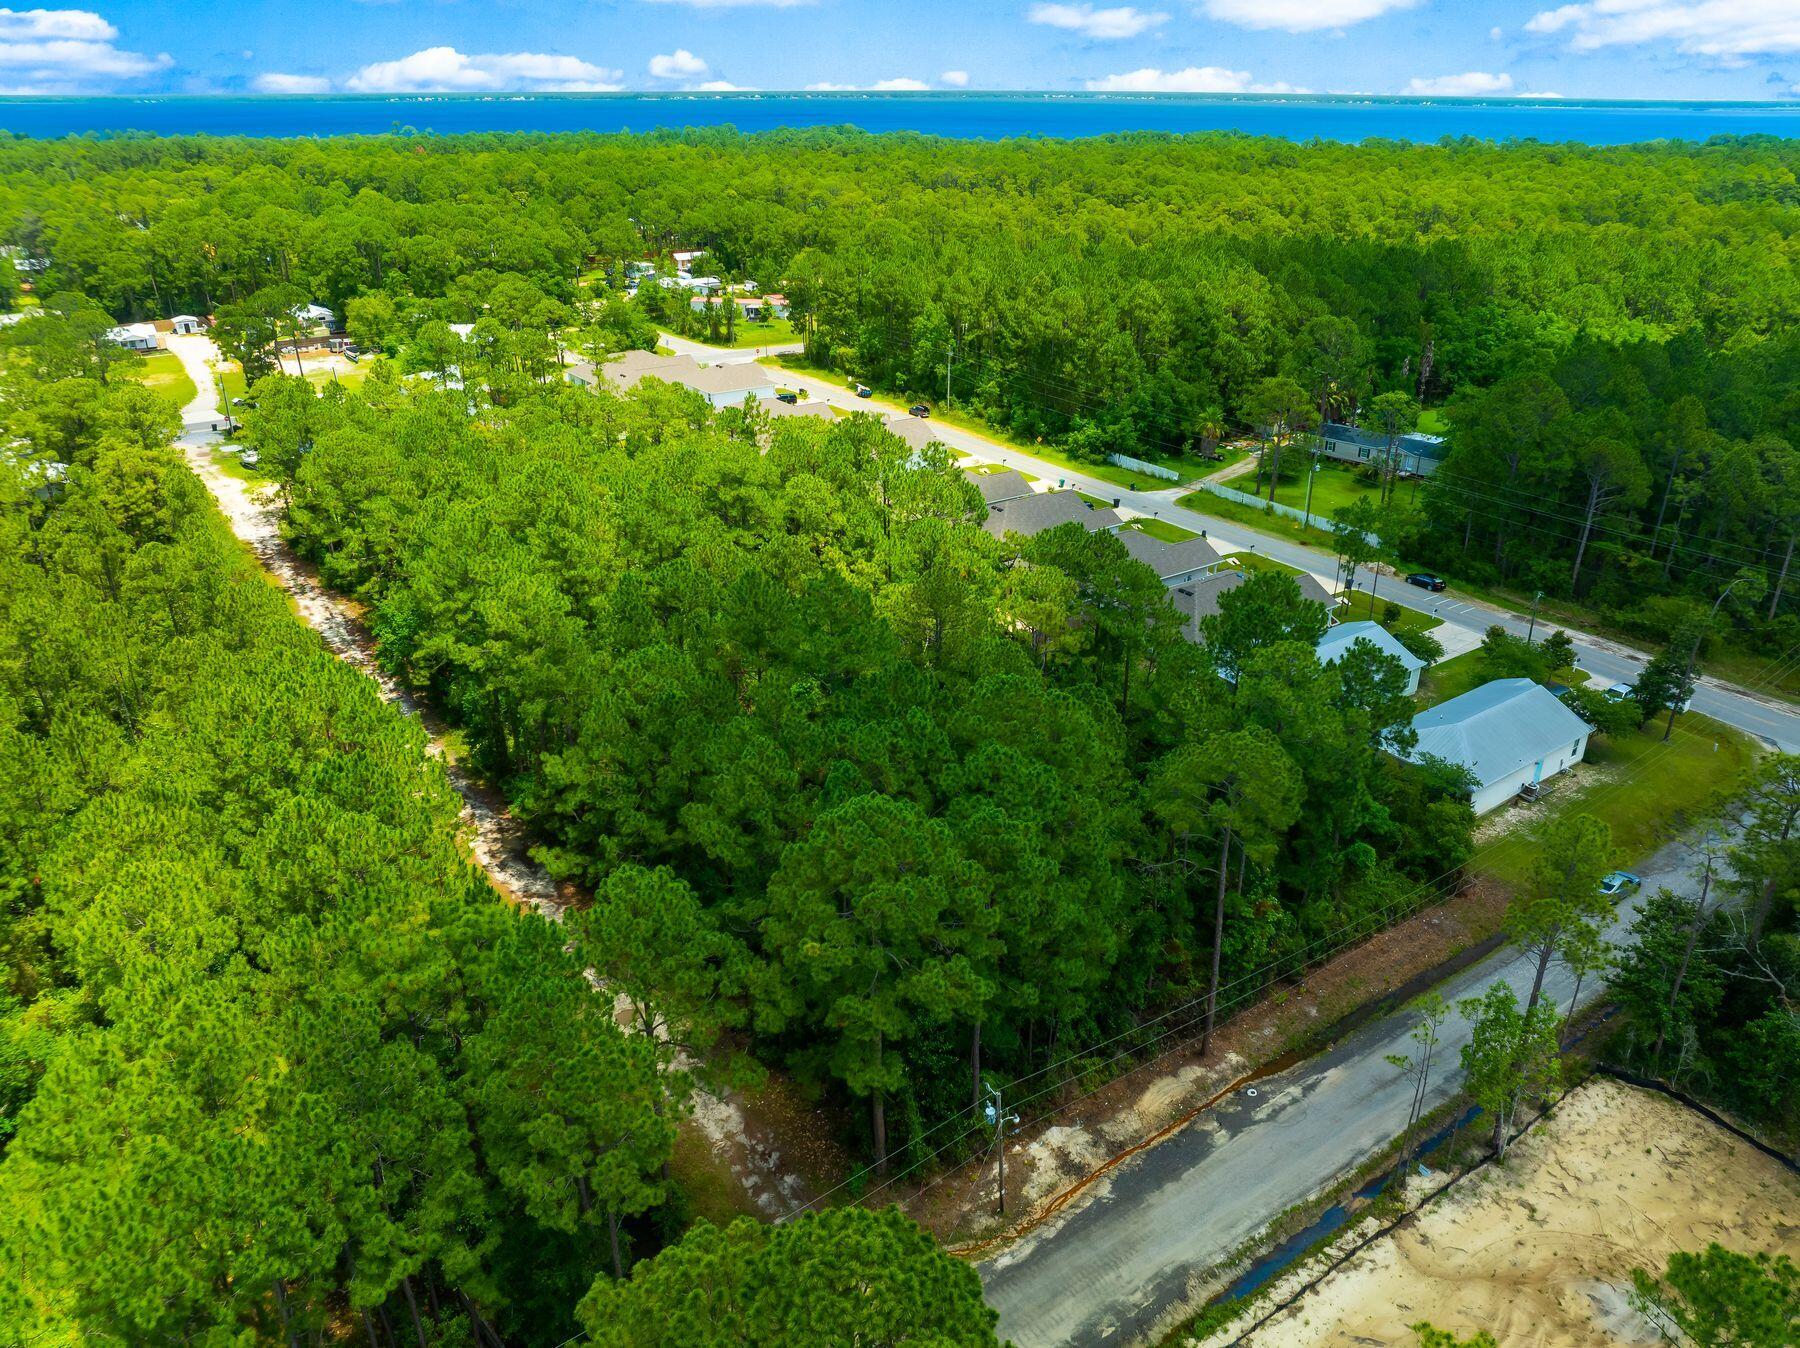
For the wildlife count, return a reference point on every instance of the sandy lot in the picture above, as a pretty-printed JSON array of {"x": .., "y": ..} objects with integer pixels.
[{"x": 1540, "y": 1252}]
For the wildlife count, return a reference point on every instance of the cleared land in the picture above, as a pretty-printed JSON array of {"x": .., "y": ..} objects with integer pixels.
[
  {"x": 162, "y": 371},
  {"x": 1540, "y": 1252}
]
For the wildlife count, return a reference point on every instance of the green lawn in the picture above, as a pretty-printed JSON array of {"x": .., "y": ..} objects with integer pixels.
[
  {"x": 233, "y": 466},
  {"x": 989, "y": 469},
  {"x": 773, "y": 332},
  {"x": 1334, "y": 486},
  {"x": 1361, "y": 608},
  {"x": 1646, "y": 790},
  {"x": 163, "y": 372},
  {"x": 1432, "y": 422},
  {"x": 1162, "y": 529}
]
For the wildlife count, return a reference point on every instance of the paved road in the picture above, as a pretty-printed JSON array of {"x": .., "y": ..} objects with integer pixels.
[
  {"x": 1116, "y": 1268},
  {"x": 1465, "y": 620}
]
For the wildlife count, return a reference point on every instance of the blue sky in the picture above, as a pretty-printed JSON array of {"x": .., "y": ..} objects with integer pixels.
[{"x": 1691, "y": 49}]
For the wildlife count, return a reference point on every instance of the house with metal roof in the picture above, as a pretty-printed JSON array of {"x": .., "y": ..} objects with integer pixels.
[
  {"x": 1174, "y": 563},
  {"x": 1338, "y": 640},
  {"x": 1513, "y": 735},
  {"x": 998, "y": 487},
  {"x": 1418, "y": 453},
  {"x": 1032, "y": 514}
]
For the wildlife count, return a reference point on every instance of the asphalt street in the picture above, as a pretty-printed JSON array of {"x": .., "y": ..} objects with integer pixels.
[
  {"x": 1465, "y": 620},
  {"x": 1130, "y": 1259}
]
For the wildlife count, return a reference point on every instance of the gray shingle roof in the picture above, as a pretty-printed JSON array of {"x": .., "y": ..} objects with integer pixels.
[
  {"x": 1199, "y": 598},
  {"x": 822, "y": 410},
  {"x": 625, "y": 371},
  {"x": 1336, "y": 643},
  {"x": 1498, "y": 728},
  {"x": 1169, "y": 559},
  {"x": 739, "y": 378},
  {"x": 1033, "y": 514},
  {"x": 916, "y": 431},
  {"x": 998, "y": 487}
]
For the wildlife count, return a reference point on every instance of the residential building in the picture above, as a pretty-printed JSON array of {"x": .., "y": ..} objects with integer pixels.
[
  {"x": 316, "y": 316},
  {"x": 624, "y": 371},
  {"x": 1417, "y": 454},
  {"x": 1174, "y": 563},
  {"x": 729, "y": 385},
  {"x": 581, "y": 372},
  {"x": 998, "y": 487},
  {"x": 185, "y": 325},
  {"x": 1028, "y": 515},
  {"x": 777, "y": 305},
  {"x": 1511, "y": 734},
  {"x": 816, "y": 407},
  {"x": 134, "y": 336},
  {"x": 1337, "y": 641},
  {"x": 916, "y": 431},
  {"x": 1199, "y": 598},
  {"x": 685, "y": 258}
]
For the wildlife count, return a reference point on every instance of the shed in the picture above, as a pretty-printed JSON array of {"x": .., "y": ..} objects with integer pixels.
[
  {"x": 185, "y": 325},
  {"x": 1511, "y": 734},
  {"x": 1336, "y": 643}
]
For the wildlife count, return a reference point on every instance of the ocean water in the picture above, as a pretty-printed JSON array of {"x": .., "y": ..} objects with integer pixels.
[{"x": 970, "y": 116}]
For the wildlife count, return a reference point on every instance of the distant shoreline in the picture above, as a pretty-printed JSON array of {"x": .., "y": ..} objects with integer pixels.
[{"x": 1345, "y": 118}]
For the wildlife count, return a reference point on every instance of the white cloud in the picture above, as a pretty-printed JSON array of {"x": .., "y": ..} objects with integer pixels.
[
  {"x": 446, "y": 70},
  {"x": 1300, "y": 16},
  {"x": 81, "y": 24},
  {"x": 827, "y": 87},
  {"x": 956, "y": 79},
  {"x": 1193, "y": 80},
  {"x": 274, "y": 82},
  {"x": 66, "y": 50},
  {"x": 1727, "y": 30},
  {"x": 1122, "y": 21},
  {"x": 1467, "y": 84},
  {"x": 724, "y": 87},
  {"x": 898, "y": 86},
  {"x": 735, "y": 4},
  {"x": 1495, "y": 33},
  {"x": 680, "y": 64}
]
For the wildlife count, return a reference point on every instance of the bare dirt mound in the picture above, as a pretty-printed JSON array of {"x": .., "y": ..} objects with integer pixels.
[{"x": 1539, "y": 1252}]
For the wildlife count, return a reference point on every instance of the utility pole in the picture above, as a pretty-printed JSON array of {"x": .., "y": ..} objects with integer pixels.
[
  {"x": 997, "y": 1115},
  {"x": 949, "y": 361},
  {"x": 1532, "y": 626},
  {"x": 1309, "y": 486}
]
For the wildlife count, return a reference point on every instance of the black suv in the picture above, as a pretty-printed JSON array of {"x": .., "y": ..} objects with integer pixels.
[{"x": 1425, "y": 580}]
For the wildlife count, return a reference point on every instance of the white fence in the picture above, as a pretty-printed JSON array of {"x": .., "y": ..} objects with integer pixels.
[{"x": 1147, "y": 469}]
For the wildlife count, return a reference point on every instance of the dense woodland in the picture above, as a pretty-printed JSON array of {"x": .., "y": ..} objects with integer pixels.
[
  {"x": 1612, "y": 331},
  {"x": 859, "y": 792}
]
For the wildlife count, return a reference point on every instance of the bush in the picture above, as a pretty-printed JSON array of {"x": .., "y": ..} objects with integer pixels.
[
  {"x": 1504, "y": 656},
  {"x": 1422, "y": 644},
  {"x": 1390, "y": 613},
  {"x": 1614, "y": 717}
]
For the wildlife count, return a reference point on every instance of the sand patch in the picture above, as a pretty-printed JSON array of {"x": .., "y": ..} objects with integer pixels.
[
  {"x": 1540, "y": 1252},
  {"x": 1060, "y": 1156}
]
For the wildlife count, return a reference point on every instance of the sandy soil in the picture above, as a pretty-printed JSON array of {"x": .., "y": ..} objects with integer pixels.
[
  {"x": 1079, "y": 1140},
  {"x": 1540, "y": 1252}
]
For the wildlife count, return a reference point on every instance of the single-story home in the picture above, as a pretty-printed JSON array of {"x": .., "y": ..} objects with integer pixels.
[
  {"x": 916, "y": 431},
  {"x": 998, "y": 487},
  {"x": 1511, "y": 734},
  {"x": 814, "y": 408},
  {"x": 185, "y": 325},
  {"x": 701, "y": 285},
  {"x": 633, "y": 270},
  {"x": 1337, "y": 641},
  {"x": 316, "y": 316},
  {"x": 1174, "y": 563},
  {"x": 776, "y": 304},
  {"x": 1199, "y": 598},
  {"x": 134, "y": 336},
  {"x": 625, "y": 370},
  {"x": 729, "y": 385},
  {"x": 581, "y": 372},
  {"x": 685, "y": 258},
  {"x": 1418, "y": 453},
  {"x": 1028, "y": 515}
]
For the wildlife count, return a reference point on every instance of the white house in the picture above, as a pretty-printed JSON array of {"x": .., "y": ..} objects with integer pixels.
[
  {"x": 1511, "y": 734},
  {"x": 134, "y": 336},
  {"x": 685, "y": 258},
  {"x": 729, "y": 385},
  {"x": 316, "y": 315},
  {"x": 185, "y": 325},
  {"x": 1336, "y": 643}
]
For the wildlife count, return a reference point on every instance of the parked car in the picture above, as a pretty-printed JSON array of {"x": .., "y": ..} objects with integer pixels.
[
  {"x": 1618, "y": 882},
  {"x": 1425, "y": 580},
  {"x": 864, "y": 391},
  {"x": 788, "y": 397},
  {"x": 919, "y": 410},
  {"x": 1620, "y": 691}
]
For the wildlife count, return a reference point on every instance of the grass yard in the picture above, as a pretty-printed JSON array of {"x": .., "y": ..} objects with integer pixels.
[
  {"x": 773, "y": 332},
  {"x": 1646, "y": 790},
  {"x": 1334, "y": 486},
  {"x": 1432, "y": 422},
  {"x": 1361, "y": 608},
  {"x": 232, "y": 465},
  {"x": 989, "y": 469},
  {"x": 1162, "y": 529},
  {"x": 163, "y": 372}
]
